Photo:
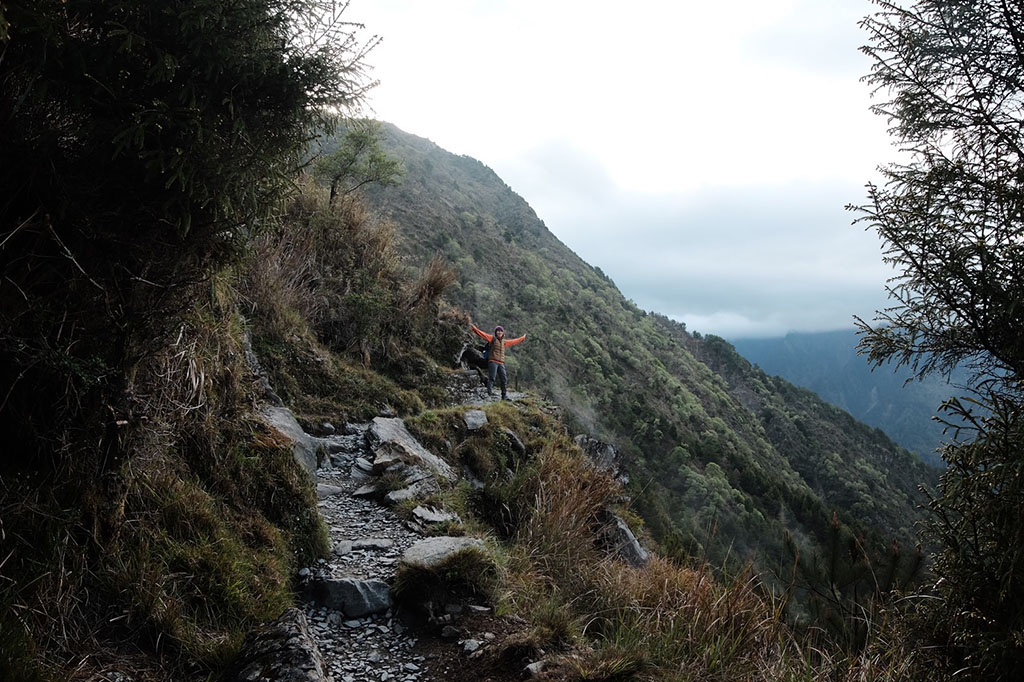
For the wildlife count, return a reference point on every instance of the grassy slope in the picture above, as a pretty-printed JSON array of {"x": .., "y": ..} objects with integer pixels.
[
  {"x": 159, "y": 566},
  {"x": 699, "y": 454},
  {"x": 190, "y": 535}
]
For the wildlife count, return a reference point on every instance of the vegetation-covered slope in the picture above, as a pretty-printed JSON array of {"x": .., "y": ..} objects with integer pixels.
[
  {"x": 828, "y": 364},
  {"x": 702, "y": 454},
  {"x": 148, "y": 517}
]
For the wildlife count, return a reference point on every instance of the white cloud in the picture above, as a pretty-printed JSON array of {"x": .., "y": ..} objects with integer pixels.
[
  {"x": 721, "y": 139},
  {"x": 731, "y": 325}
]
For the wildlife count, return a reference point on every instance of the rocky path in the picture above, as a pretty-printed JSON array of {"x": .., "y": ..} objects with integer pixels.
[
  {"x": 347, "y": 628},
  {"x": 367, "y": 541}
]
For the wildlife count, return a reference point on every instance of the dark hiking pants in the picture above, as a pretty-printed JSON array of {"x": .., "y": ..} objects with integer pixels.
[{"x": 496, "y": 370}]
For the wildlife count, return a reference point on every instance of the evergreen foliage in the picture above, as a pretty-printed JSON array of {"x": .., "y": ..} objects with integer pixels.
[
  {"x": 358, "y": 160},
  {"x": 951, "y": 218}
]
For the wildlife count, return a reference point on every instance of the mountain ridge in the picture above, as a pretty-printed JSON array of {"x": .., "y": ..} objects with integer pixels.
[{"x": 633, "y": 378}]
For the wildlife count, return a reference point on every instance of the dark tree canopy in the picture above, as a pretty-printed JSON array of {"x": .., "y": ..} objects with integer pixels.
[
  {"x": 141, "y": 143},
  {"x": 951, "y": 215},
  {"x": 165, "y": 119}
]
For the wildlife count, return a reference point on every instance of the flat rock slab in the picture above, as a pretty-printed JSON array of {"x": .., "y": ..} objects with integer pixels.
[
  {"x": 324, "y": 491},
  {"x": 392, "y": 430},
  {"x": 354, "y": 598},
  {"x": 373, "y": 543},
  {"x": 475, "y": 419},
  {"x": 368, "y": 490},
  {"x": 416, "y": 490},
  {"x": 284, "y": 651},
  {"x": 431, "y": 552},
  {"x": 431, "y": 515}
]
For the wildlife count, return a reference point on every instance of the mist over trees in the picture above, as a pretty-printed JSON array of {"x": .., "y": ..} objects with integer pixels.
[{"x": 951, "y": 75}]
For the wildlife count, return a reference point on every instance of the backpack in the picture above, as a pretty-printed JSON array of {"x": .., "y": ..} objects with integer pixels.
[{"x": 485, "y": 350}]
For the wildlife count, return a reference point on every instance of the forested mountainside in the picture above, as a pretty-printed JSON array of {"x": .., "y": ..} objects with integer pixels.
[
  {"x": 726, "y": 462},
  {"x": 828, "y": 364}
]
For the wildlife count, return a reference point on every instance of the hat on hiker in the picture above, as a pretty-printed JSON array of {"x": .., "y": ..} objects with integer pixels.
[{"x": 499, "y": 328}]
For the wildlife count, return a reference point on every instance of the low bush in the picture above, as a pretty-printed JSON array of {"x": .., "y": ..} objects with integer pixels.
[
  {"x": 471, "y": 573},
  {"x": 188, "y": 540}
]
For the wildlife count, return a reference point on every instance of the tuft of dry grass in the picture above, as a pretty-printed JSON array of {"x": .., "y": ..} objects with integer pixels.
[
  {"x": 427, "y": 291},
  {"x": 332, "y": 266},
  {"x": 663, "y": 620}
]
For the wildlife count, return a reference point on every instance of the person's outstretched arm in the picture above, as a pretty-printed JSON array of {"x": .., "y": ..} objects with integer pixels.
[
  {"x": 512, "y": 342},
  {"x": 482, "y": 334}
]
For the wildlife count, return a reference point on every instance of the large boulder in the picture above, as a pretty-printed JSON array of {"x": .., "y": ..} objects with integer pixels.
[
  {"x": 355, "y": 598},
  {"x": 284, "y": 651},
  {"x": 392, "y": 430},
  {"x": 432, "y": 552},
  {"x": 437, "y": 572},
  {"x": 304, "y": 446},
  {"x": 429, "y": 516}
]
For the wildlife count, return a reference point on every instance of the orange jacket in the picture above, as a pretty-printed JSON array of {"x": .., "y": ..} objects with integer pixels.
[{"x": 498, "y": 347}]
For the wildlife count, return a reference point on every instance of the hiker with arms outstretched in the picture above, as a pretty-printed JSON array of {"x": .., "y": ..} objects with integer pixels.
[{"x": 497, "y": 343}]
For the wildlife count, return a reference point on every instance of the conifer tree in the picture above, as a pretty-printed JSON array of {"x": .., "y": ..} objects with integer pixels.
[{"x": 951, "y": 216}]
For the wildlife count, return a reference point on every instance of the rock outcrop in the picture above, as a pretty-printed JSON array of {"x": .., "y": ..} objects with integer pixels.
[
  {"x": 284, "y": 651},
  {"x": 304, "y": 446},
  {"x": 604, "y": 456},
  {"x": 392, "y": 434},
  {"x": 475, "y": 419},
  {"x": 623, "y": 543}
]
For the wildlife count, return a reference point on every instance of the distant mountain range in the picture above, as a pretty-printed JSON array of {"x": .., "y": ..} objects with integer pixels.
[
  {"x": 828, "y": 364},
  {"x": 727, "y": 463}
]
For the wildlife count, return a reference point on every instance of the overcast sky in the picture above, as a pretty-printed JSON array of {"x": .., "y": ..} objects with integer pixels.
[{"x": 700, "y": 153}]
